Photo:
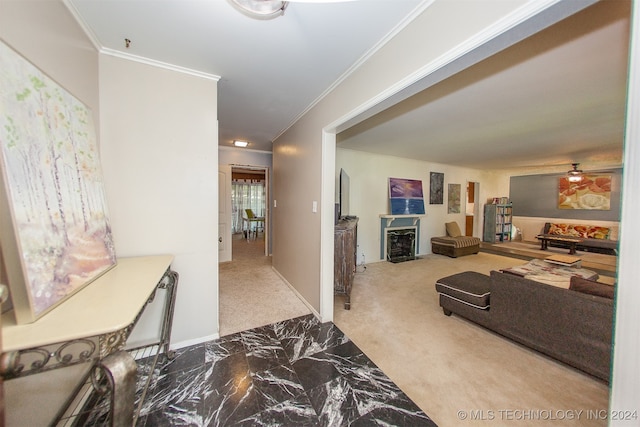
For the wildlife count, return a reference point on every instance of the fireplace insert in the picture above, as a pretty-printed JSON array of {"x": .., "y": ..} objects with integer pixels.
[{"x": 401, "y": 244}]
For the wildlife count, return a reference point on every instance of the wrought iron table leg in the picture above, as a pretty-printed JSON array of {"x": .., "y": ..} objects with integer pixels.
[
  {"x": 120, "y": 371},
  {"x": 170, "y": 284}
]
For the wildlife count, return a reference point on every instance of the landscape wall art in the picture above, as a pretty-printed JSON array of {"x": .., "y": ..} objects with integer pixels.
[
  {"x": 55, "y": 235},
  {"x": 406, "y": 196}
]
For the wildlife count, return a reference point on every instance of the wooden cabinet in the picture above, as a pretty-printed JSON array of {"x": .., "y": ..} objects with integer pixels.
[
  {"x": 497, "y": 223},
  {"x": 345, "y": 256}
]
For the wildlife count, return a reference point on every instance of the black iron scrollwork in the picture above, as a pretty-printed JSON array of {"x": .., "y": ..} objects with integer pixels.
[
  {"x": 41, "y": 359},
  {"x": 82, "y": 356}
]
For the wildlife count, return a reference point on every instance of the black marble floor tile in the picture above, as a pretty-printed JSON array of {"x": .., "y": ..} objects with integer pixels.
[
  {"x": 315, "y": 370},
  {"x": 298, "y": 372},
  {"x": 276, "y": 385}
]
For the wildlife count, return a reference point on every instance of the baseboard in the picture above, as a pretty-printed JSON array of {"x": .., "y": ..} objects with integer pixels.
[
  {"x": 200, "y": 340},
  {"x": 300, "y": 297}
]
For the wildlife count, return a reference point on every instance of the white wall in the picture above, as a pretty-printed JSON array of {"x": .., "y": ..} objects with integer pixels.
[
  {"x": 369, "y": 195},
  {"x": 241, "y": 156},
  {"x": 160, "y": 156}
]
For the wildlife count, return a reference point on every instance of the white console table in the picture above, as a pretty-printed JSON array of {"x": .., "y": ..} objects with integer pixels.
[{"x": 92, "y": 326}]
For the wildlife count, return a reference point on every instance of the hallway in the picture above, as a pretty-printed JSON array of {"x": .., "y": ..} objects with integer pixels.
[{"x": 251, "y": 293}]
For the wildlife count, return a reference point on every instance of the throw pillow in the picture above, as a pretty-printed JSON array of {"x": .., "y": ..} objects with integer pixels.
[
  {"x": 453, "y": 230},
  {"x": 590, "y": 287}
]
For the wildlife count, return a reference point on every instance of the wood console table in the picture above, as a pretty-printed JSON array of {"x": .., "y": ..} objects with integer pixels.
[{"x": 92, "y": 326}]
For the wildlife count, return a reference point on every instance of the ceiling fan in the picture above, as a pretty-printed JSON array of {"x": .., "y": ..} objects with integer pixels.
[
  {"x": 575, "y": 174},
  {"x": 270, "y": 9}
]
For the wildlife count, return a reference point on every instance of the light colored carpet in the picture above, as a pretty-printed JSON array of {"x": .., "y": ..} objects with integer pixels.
[
  {"x": 251, "y": 293},
  {"x": 447, "y": 365}
]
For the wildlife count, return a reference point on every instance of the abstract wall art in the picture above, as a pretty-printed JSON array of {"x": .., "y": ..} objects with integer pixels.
[
  {"x": 436, "y": 188},
  {"x": 453, "y": 198},
  {"x": 592, "y": 192}
]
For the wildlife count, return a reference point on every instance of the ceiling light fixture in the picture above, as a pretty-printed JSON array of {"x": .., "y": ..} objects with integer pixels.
[
  {"x": 239, "y": 143},
  {"x": 575, "y": 174},
  {"x": 260, "y": 9},
  {"x": 269, "y": 9}
]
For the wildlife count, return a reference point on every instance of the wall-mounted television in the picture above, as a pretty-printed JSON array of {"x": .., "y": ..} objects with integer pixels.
[{"x": 344, "y": 194}]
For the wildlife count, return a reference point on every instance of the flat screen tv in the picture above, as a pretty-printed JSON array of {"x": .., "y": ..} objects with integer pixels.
[{"x": 344, "y": 194}]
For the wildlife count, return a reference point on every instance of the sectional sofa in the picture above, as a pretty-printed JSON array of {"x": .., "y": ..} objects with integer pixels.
[{"x": 571, "y": 325}]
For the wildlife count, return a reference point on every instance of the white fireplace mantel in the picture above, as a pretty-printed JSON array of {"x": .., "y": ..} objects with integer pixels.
[{"x": 391, "y": 218}]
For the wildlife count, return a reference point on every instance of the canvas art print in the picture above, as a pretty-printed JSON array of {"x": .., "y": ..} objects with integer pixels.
[
  {"x": 55, "y": 235},
  {"x": 406, "y": 197},
  {"x": 592, "y": 192},
  {"x": 453, "y": 200},
  {"x": 436, "y": 188}
]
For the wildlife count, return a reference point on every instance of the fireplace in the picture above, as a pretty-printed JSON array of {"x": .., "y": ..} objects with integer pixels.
[{"x": 400, "y": 243}]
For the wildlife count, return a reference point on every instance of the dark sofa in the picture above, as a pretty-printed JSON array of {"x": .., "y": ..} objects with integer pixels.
[{"x": 571, "y": 326}]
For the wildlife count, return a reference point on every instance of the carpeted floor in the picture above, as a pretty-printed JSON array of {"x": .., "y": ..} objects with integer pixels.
[
  {"x": 251, "y": 293},
  {"x": 458, "y": 373},
  {"x": 452, "y": 368}
]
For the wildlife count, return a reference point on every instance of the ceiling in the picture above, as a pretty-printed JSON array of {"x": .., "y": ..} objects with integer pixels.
[
  {"x": 270, "y": 70},
  {"x": 555, "y": 98}
]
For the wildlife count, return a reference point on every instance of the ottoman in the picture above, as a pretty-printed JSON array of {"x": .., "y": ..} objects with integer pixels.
[
  {"x": 466, "y": 294},
  {"x": 455, "y": 246}
]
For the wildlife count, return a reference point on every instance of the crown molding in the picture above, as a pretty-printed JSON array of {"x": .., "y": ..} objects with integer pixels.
[
  {"x": 158, "y": 64},
  {"x": 418, "y": 80},
  {"x": 417, "y": 11},
  {"x": 83, "y": 25},
  {"x": 122, "y": 55}
]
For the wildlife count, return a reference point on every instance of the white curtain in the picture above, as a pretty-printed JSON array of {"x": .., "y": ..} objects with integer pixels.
[{"x": 246, "y": 194}]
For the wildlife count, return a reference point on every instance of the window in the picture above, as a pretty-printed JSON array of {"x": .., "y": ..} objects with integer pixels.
[{"x": 246, "y": 194}]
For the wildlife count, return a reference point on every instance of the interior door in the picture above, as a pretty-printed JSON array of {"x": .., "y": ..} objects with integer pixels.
[
  {"x": 224, "y": 213},
  {"x": 472, "y": 208}
]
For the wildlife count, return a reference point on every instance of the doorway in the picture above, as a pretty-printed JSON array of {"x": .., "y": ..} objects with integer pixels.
[
  {"x": 250, "y": 197},
  {"x": 472, "y": 209}
]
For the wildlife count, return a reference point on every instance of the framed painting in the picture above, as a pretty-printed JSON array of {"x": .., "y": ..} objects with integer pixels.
[
  {"x": 436, "y": 188},
  {"x": 406, "y": 196},
  {"x": 55, "y": 232},
  {"x": 453, "y": 198},
  {"x": 592, "y": 192}
]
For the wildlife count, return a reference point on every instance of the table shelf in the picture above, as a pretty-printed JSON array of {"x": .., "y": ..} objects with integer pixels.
[{"x": 92, "y": 327}]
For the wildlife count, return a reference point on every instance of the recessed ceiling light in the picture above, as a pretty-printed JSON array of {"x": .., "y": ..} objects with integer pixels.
[{"x": 238, "y": 143}]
